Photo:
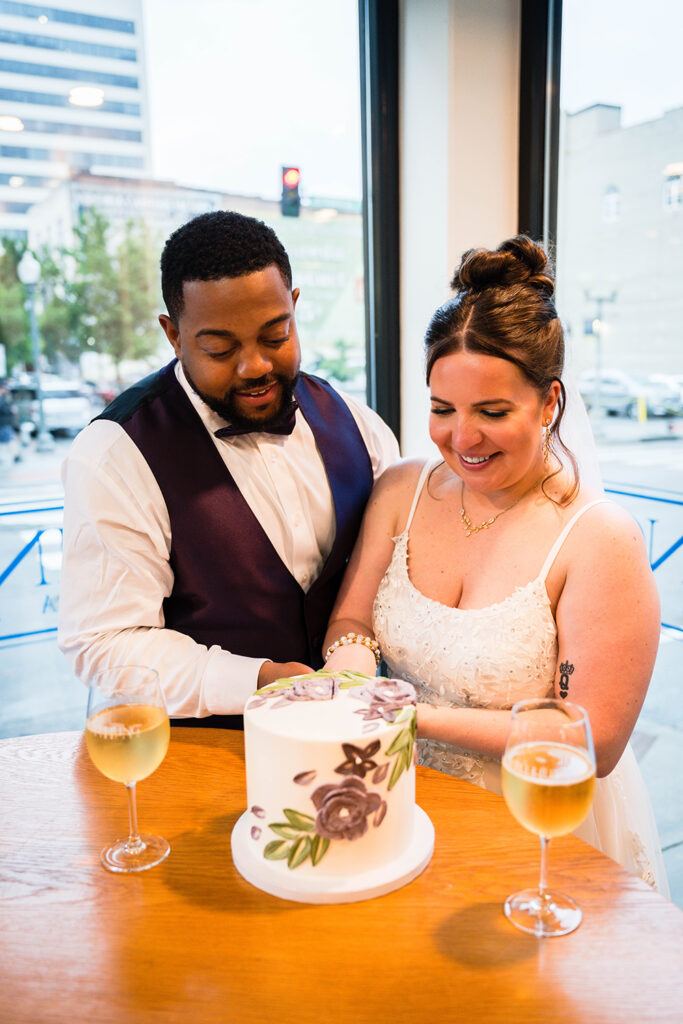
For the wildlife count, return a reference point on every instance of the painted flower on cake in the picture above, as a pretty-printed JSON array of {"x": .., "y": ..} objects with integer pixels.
[
  {"x": 313, "y": 688},
  {"x": 358, "y": 759},
  {"x": 385, "y": 697},
  {"x": 283, "y": 692},
  {"x": 343, "y": 809}
]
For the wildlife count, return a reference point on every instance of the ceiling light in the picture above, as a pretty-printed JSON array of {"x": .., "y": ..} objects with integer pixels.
[
  {"x": 9, "y": 123},
  {"x": 86, "y": 96}
]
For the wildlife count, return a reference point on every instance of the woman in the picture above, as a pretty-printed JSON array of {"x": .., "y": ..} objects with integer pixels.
[{"x": 496, "y": 573}]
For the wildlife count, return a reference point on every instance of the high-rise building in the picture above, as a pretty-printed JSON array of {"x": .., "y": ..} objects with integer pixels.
[{"x": 72, "y": 98}]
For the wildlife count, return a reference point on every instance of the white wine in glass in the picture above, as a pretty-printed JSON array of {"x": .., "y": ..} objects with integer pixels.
[
  {"x": 548, "y": 776},
  {"x": 127, "y": 734}
]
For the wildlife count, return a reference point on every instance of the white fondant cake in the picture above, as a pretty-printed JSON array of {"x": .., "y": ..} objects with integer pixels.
[{"x": 330, "y": 785}]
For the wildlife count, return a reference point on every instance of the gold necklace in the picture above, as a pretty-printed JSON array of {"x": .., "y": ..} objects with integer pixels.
[{"x": 467, "y": 524}]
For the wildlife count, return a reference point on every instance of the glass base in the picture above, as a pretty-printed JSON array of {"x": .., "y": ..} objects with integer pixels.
[
  {"x": 550, "y": 913},
  {"x": 125, "y": 855}
]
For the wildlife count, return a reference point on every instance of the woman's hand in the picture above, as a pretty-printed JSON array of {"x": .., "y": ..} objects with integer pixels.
[{"x": 354, "y": 657}]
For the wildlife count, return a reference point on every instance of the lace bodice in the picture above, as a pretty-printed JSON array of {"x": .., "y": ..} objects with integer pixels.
[
  {"x": 490, "y": 658},
  {"x": 484, "y": 657}
]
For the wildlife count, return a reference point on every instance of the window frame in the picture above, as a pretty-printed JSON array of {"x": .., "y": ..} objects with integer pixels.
[
  {"x": 539, "y": 119},
  {"x": 378, "y": 22}
]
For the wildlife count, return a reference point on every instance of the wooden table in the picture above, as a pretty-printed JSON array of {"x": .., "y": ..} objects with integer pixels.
[{"x": 190, "y": 940}]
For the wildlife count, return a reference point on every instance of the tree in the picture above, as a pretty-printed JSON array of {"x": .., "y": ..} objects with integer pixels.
[
  {"x": 137, "y": 278},
  {"x": 15, "y": 332},
  {"x": 100, "y": 295},
  {"x": 59, "y": 318},
  {"x": 339, "y": 367}
]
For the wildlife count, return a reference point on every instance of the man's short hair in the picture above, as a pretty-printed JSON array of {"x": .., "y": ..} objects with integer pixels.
[{"x": 215, "y": 245}]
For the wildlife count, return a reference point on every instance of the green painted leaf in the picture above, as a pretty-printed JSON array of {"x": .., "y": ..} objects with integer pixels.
[
  {"x": 401, "y": 740},
  {"x": 319, "y": 848},
  {"x": 278, "y": 849},
  {"x": 304, "y": 822},
  {"x": 405, "y": 714},
  {"x": 282, "y": 828},
  {"x": 299, "y": 852},
  {"x": 279, "y": 684},
  {"x": 410, "y": 751},
  {"x": 396, "y": 772}
]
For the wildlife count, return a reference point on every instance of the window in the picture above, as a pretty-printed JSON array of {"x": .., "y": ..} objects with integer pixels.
[
  {"x": 619, "y": 274},
  {"x": 611, "y": 204},
  {"x": 673, "y": 190},
  {"x": 180, "y": 130}
]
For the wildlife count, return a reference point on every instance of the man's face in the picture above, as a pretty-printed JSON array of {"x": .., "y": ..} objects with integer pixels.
[{"x": 237, "y": 342}]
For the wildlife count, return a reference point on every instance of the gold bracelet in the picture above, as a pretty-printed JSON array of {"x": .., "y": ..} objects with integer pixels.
[{"x": 356, "y": 638}]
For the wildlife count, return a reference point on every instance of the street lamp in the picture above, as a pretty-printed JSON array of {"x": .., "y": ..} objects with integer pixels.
[
  {"x": 29, "y": 275},
  {"x": 597, "y": 328}
]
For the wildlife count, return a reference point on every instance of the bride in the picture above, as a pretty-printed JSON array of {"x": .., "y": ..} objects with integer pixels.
[{"x": 498, "y": 573}]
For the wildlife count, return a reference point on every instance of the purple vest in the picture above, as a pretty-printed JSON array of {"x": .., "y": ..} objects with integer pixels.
[{"x": 230, "y": 586}]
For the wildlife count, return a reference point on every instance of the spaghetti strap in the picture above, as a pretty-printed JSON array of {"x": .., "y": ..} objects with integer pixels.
[
  {"x": 428, "y": 466},
  {"x": 563, "y": 536}
]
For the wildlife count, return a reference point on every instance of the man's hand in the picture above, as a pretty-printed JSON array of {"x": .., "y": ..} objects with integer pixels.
[{"x": 270, "y": 671}]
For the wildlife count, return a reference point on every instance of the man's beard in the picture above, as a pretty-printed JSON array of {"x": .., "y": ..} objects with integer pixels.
[{"x": 225, "y": 407}]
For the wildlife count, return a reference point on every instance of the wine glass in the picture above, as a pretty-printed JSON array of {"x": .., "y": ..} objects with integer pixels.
[
  {"x": 548, "y": 775},
  {"x": 127, "y": 733}
]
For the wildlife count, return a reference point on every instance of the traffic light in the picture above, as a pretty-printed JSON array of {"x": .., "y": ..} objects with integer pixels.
[{"x": 291, "y": 201}]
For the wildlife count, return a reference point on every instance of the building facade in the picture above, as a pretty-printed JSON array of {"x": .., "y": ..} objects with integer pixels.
[
  {"x": 620, "y": 240},
  {"x": 72, "y": 99}
]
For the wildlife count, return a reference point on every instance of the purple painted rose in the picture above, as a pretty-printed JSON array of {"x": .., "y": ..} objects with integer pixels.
[
  {"x": 385, "y": 697},
  {"x": 309, "y": 687},
  {"x": 343, "y": 809},
  {"x": 312, "y": 688}
]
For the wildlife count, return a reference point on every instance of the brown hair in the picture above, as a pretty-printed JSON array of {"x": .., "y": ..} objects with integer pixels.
[{"x": 503, "y": 307}]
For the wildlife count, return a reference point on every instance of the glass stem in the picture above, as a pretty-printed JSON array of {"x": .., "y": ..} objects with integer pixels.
[
  {"x": 133, "y": 842},
  {"x": 545, "y": 843}
]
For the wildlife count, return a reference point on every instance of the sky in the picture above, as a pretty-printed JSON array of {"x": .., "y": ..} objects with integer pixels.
[
  {"x": 247, "y": 86},
  {"x": 625, "y": 52},
  {"x": 251, "y": 85}
]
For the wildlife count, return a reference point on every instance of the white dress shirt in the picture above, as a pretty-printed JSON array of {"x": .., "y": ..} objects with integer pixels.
[{"x": 117, "y": 541}]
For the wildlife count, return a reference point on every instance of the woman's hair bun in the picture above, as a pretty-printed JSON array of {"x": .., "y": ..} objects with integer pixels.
[{"x": 518, "y": 261}]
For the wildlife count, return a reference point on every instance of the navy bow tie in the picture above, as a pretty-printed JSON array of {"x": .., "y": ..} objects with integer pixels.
[{"x": 284, "y": 424}]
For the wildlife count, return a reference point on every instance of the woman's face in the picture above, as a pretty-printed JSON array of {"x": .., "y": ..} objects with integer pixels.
[{"x": 487, "y": 420}]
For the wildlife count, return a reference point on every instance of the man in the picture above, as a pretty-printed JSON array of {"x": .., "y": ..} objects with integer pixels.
[{"x": 210, "y": 510}]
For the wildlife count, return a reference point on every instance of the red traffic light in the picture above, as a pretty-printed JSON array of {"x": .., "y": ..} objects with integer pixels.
[{"x": 290, "y": 201}]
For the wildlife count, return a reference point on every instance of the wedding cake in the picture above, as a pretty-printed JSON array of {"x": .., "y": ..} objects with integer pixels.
[{"x": 331, "y": 813}]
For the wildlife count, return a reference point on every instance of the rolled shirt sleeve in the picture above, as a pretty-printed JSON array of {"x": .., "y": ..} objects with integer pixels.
[{"x": 116, "y": 575}]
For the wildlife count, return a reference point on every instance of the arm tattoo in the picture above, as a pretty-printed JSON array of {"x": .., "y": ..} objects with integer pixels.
[{"x": 566, "y": 669}]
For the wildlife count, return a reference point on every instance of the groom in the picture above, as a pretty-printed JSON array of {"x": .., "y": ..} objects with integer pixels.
[{"x": 212, "y": 507}]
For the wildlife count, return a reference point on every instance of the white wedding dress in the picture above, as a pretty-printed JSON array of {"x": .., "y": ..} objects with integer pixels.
[{"x": 490, "y": 658}]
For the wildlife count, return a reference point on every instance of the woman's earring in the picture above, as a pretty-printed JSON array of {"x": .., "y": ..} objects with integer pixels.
[{"x": 546, "y": 442}]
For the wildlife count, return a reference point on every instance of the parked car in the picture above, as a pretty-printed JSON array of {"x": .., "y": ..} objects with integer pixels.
[
  {"x": 673, "y": 381},
  {"x": 621, "y": 391},
  {"x": 66, "y": 406}
]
